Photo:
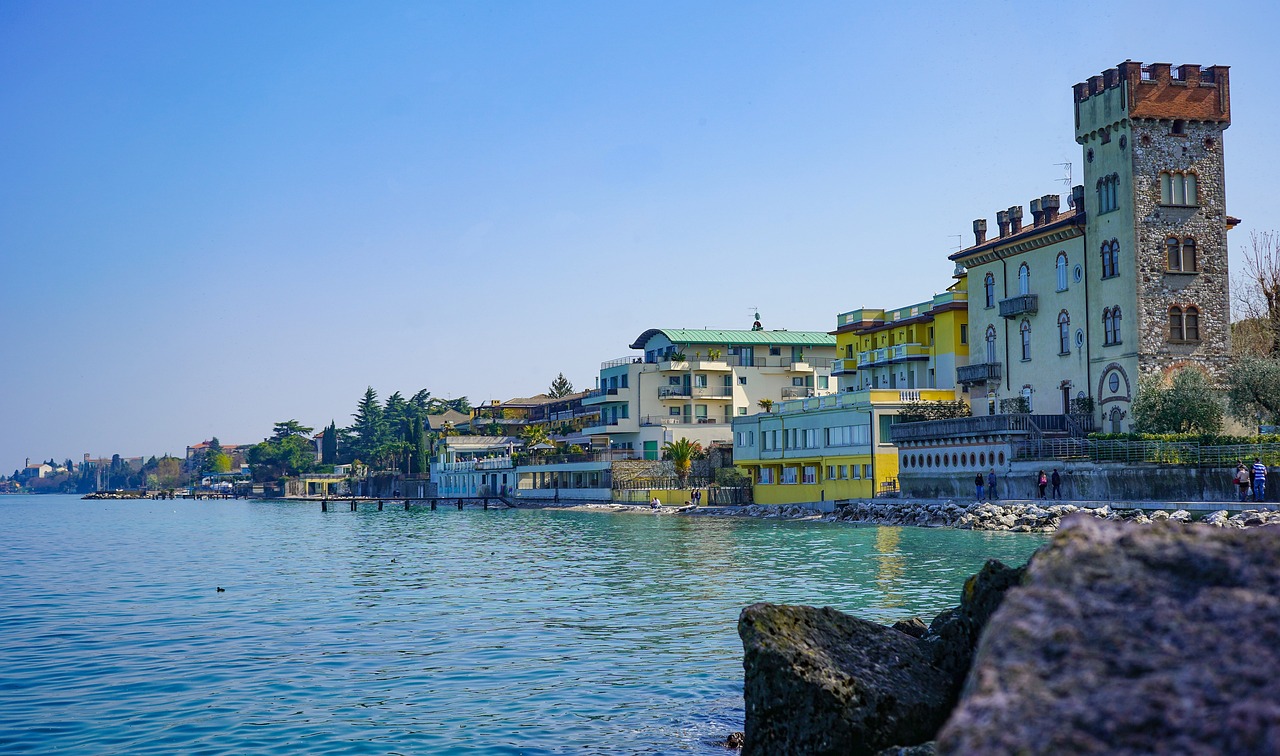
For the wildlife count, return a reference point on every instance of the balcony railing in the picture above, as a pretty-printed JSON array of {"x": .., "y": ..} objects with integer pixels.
[
  {"x": 796, "y": 392},
  {"x": 679, "y": 420},
  {"x": 1023, "y": 304},
  {"x": 845, "y": 365},
  {"x": 981, "y": 372}
]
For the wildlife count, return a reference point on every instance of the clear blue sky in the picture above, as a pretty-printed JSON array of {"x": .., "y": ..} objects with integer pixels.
[{"x": 216, "y": 215}]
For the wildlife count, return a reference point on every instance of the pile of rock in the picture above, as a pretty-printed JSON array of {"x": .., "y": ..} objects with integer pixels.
[
  {"x": 1042, "y": 659},
  {"x": 775, "y": 512},
  {"x": 1021, "y": 517}
]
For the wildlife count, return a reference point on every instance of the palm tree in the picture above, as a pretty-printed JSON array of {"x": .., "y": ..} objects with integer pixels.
[
  {"x": 681, "y": 454},
  {"x": 766, "y": 405}
]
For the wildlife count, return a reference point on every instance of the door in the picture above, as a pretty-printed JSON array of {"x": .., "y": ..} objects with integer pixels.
[{"x": 748, "y": 356}]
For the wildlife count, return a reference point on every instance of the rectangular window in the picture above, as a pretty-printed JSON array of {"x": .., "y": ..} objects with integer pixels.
[
  {"x": 742, "y": 380},
  {"x": 742, "y": 410},
  {"x": 831, "y": 472},
  {"x": 751, "y": 438},
  {"x": 844, "y": 472},
  {"x": 766, "y": 476},
  {"x": 964, "y": 333},
  {"x": 626, "y": 411},
  {"x": 799, "y": 381},
  {"x": 788, "y": 476},
  {"x": 673, "y": 380},
  {"x": 866, "y": 472},
  {"x": 824, "y": 381},
  {"x": 728, "y": 381},
  {"x": 856, "y": 475},
  {"x": 810, "y": 474},
  {"x": 674, "y": 411},
  {"x": 775, "y": 351},
  {"x": 623, "y": 382},
  {"x": 700, "y": 410},
  {"x": 740, "y": 438},
  {"x": 700, "y": 380}
]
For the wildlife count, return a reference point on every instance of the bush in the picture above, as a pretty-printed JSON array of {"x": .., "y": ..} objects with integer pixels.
[
  {"x": 914, "y": 412},
  {"x": 1186, "y": 404}
]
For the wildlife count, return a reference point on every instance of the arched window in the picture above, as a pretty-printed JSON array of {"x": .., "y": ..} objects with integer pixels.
[
  {"x": 989, "y": 286},
  {"x": 1025, "y": 329},
  {"x": 991, "y": 344},
  {"x": 1115, "y": 191},
  {"x": 1175, "y": 324},
  {"x": 1191, "y": 319},
  {"x": 1024, "y": 279},
  {"x": 1064, "y": 333},
  {"x": 1110, "y": 250},
  {"x": 1173, "y": 252},
  {"x": 1111, "y": 326},
  {"x": 1178, "y": 188},
  {"x": 1189, "y": 255},
  {"x": 1062, "y": 271}
]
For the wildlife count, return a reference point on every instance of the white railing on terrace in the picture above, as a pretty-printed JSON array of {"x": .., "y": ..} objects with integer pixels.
[{"x": 620, "y": 361}]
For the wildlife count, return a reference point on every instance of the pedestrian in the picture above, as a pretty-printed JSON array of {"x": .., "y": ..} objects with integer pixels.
[
  {"x": 1056, "y": 480},
  {"x": 1242, "y": 481},
  {"x": 1259, "y": 480},
  {"x": 1042, "y": 481},
  {"x": 977, "y": 482},
  {"x": 992, "y": 491}
]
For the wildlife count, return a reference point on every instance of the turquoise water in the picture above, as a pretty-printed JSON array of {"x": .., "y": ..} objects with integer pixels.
[{"x": 505, "y": 632}]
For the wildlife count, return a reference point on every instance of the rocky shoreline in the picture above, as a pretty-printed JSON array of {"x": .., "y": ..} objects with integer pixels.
[
  {"x": 1098, "y": 645},
  {"x": 1014, "y": 517}
]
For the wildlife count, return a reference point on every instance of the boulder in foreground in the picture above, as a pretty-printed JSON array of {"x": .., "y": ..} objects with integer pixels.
[
  {"x": 822, "y": 682},
  {"x": 1131, "y": 639}
]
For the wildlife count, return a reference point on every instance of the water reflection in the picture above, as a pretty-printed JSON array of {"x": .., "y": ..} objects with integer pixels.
[{"x": 890, "y": 567}]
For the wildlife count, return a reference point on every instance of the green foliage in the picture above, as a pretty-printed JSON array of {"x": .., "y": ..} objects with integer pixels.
[
  {"x": 1253, "y": 390},
  {"x": 290, "y": 428},
  {"x": 560, "y": 387},
  {"x": 732, "y": 477},
  {"x": 765, "y": 404},
  {"x": 370, "y": 427},
  {"x": 682, "y": 453},
  {"x": 1018, "y": 405},
  {"x": 329, "y": 444},
  {"x": 913, "y": 412},
  {"x": 532, "y": 435},
  {"x": 1188, "y": 404},
  {"x": 274, "y": 458},
  {"x": 1082, "y": 405}
]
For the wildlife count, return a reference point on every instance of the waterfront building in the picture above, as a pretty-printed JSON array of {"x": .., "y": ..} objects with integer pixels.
[
  {"x": 555, "y": 413},
  {"x": 457, "y": 421},
  {"x": 466, "y": 466},
  {"x": 1069, "y": 311},
  {"x": 838, "y": 446},
  {"x": 693, "y": 383}
]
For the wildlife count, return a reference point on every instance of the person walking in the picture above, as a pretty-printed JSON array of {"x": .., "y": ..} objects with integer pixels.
[
  {"x": 1259, "y": 480},
  {"x": 1042, "y": 481},
  {"x": 1056, "y": 480},
  {"x": 977, "y": 483},
  {"x": 1242, "y": 480},
  {"x": 991, "y": 485}
]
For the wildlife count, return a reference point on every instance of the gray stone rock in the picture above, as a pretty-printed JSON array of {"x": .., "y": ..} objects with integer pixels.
[
  {"x": 1159, "y": 638},
  {"x": 914, "y": 627},
  {"x": 924, "y": 749},
  {"x": 953, "y": 634},
  {"x": 818, "y": 681}
]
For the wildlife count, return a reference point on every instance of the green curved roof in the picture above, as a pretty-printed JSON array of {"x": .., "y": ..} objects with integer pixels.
[{"x": 701, "y": 336}]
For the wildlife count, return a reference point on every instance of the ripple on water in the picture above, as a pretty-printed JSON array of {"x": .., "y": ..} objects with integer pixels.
[{"x": 500, "y": 632}]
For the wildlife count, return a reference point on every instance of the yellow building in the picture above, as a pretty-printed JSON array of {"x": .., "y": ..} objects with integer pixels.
[{"x": 837, "y": 447}]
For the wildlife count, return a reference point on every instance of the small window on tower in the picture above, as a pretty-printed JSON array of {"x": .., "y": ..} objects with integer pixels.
[{"x": 1179, "y": 126}]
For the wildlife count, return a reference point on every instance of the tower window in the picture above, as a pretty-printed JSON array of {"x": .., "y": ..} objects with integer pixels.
[
  {"x": 1024, "y": 279},
  {"x": 1062, "y": 271},
  {"x": 1179, "y": 126},
  {"x": 1108, "y": 193},
  {"x": 1025, "y": 329},
  {"x": 1111, "y": 326},
  {"x": 1181, "y": 255},
  {"x": 1064, "y": 333},
  {"x": 1192, "y": 322},
  {"x": 989, "y": 286},
  {"x": 1110, "y": 251},
  {"x": 1184, "y": 325},
  {"x": 1175, "y": 324},
  {"x": 1178, "y": 188}
]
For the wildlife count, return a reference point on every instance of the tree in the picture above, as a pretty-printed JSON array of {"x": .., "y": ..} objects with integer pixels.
[
  {"x": 290, "y": 428},
  {"x": 421, "y": 447},
  {"x": 369, "y": 428},
  {"x": 560, "y": 387},
  {"x": 329, "y": 445},
  {"x": 273, "y": 458},
  {"x": 532, "y": 435},
  {"x": 766, "y": 405},
  {"x": 1185, "y": 404},
  {"x": 681, "y": 453},
  {"x": 1253, "y": 390},
  {"x": 1258, "y": 290}
]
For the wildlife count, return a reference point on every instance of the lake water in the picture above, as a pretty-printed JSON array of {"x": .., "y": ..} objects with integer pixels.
[{"x": 393, "y": 632}]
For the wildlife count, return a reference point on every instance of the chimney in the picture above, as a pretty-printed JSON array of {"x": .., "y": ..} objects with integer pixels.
[
  {"x": 1015, "y": 219},
  {"x": 979, "y": 231},
  {"x": 1049, "y": 204},
  {"x": 1077, "y": 196},
  {"x": 1002, "y": 220},
  {"x": 1037, "y": 215}
]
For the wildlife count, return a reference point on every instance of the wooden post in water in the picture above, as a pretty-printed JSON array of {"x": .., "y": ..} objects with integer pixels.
[
  {"x": 379, "y": 506},
  {"x": 353, "y": 505},
  {"x": 406, "y": 505},
  {"x": 324, "y": 506}
]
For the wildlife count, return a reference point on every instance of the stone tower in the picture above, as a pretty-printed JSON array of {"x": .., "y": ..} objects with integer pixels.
[{"x": 1156, "y": 224}]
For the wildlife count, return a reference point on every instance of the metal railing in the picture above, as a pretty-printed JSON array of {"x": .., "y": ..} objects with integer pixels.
[
  {"x": 1157, "y": 452},
  {"x": 1019, "y": 305},
  {"x": 678, "y": 420},
  {"x": 980, "y": 372},
  {"x": 796, "y": 392}
]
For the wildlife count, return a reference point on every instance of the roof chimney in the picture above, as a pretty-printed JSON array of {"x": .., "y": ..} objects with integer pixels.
[
  {"x": 1037, "y": 215},
  {"x": 1050, "y": 203},
  {"x": 1015, "y": 219},
  {"x": 1077, "y": 197},
  {"x": 979, "y": 231},
  {"x": 1002, "y": 220}
]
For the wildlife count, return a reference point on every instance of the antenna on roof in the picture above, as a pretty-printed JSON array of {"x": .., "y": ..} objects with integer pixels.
[
  {"x": 1066, "y": 179},
  {"x": 756, "y": 325},
  {"x": 959, "y": 240}
]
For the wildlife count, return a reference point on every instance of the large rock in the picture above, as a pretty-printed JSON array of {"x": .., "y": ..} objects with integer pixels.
[
  {"x": 953, "y": 634},
  {"x": 821, "y": 682},
  {"x": 1125, "y": 638}
]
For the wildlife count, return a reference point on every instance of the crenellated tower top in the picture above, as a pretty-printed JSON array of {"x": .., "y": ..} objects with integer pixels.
[{"x": 1159, "y": 91}]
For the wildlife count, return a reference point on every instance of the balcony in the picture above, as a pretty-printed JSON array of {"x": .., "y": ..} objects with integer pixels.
[
  {"x": 695, "y": 392},
  {"x": 844, "y": 366},
  {"x": 1023, "y": 304},
  {"x": 679, "y": 420},
  {"x": 697, "y": 363},
  {"x": 893, "y": 354},
  {"x": 981, "y": 372},
  {"x": 796, "y": 392}
]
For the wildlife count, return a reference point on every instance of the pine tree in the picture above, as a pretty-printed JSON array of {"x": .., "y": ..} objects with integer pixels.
[
  {"x": 329, "y": 445},
  {"x": 370, "y": 427},
  {"x": 560, "y": 387}
]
